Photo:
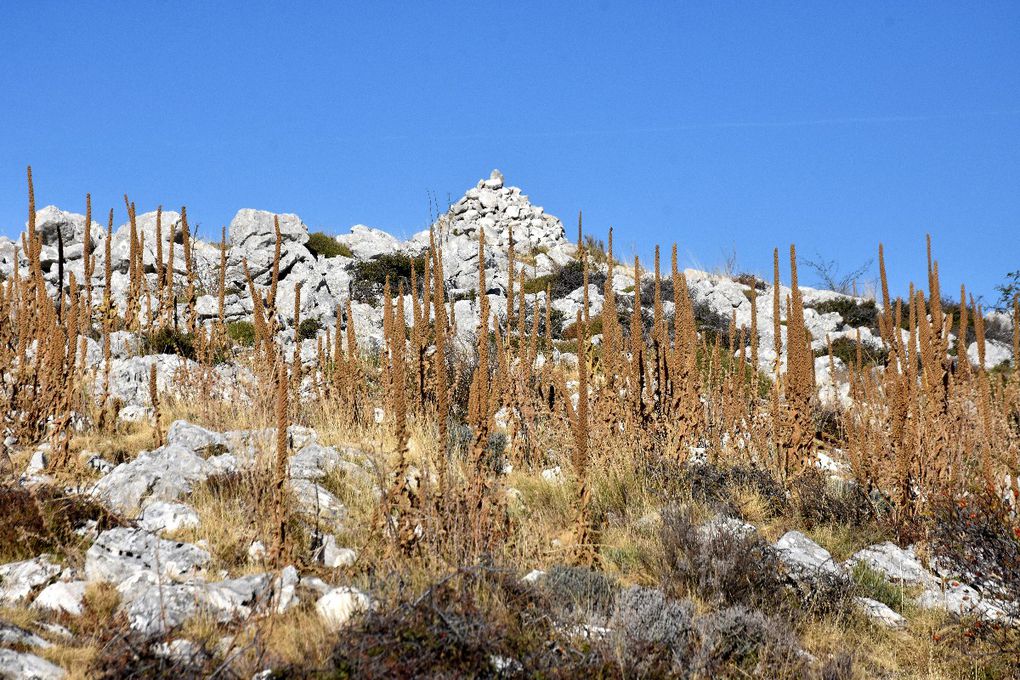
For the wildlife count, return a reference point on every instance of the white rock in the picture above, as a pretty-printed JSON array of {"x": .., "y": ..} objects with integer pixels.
[
  {"x": 168, "y": 517},
  {"x": 25, "y": 666},
  {"x": 881, "y": 613},
  {"x": 62, "y": 596},
  {"x": 804, "y": 556},
  {"x": 533, "y": 576},
  {"x": 16, "y": 636},
  {"x": 120, "y": 553},
  {"x": 366, "y": 242},
  {"x": 164, "y": 474},
  {"x": 727, "y": 526},
  {"x": 38, "y": 462},
  {"x": 181, "y": 651},
  {"x": 894, "y": 563},
  {"x": 959, "y": 600},
  {"x": 19, "y": 579},
  {"x": 194, "y": 438},
  {"x": 335, "y": 557},
  {"x": 553, "y": 475},
  {"x": 317, "y": 502},
  {"x": 338, "y": 606},
  {"x": 996, "y": 353},
  {"x": 257, "y": 551}
]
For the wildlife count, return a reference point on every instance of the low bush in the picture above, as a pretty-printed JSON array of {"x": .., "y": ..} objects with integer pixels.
[
  {"x": 168, "y": 341},
  {"x": 580, "y": 595},
  {"x": 324, "y": 245},
  {"x": 720, "y": 567},
  {"x": 369, "y": 276},
  {"x": 719, "y": 487},
  {"x": 871, "y": 584},
  {"x": 241, "y": 332},
  {"x": 565, "y": 280},
  {"x": 742, "y": 642},
  {"x": 751, "y": 281},
  {"x": 655, "y": 635},
  {"x": 854, "y": 313},
  {"x": 845, "y": 349},
  {"x": 45, "y": 519},
  {"x": 476, "y": 622},
  {"x": 818, "y": 500},
  {"x": 309, "y": 328}
]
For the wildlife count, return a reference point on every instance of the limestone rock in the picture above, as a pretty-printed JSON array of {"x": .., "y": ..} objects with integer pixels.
[
  {"x": 338, "y": 606},
  {"x": 26, "y": 666},
  {"x": 317, "y": 502},
  {"x": 896, "y": 564},
  {"x": 366, "y": 242},
  {"x": 120, "y": 553},
  {"x": 62, "y": 596},
  {"x": 194, "y": 438},
  {"x": 881, "y": 613},
  {"x": 16, "y": 636},
  {"x": 804, "y": 556},
  {"x": 161, "y": 517},
  {"x": 19, "y": 579},
  {"x": 166, "y": 474}
]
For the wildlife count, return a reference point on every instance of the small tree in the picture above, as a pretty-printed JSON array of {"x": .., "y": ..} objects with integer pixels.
[
  {"x": 1008, "y": 290},
  {"x": 830, "y": 276}
]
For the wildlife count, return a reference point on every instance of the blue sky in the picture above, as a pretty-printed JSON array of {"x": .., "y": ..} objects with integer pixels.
[{"x": 721, "y": 126}]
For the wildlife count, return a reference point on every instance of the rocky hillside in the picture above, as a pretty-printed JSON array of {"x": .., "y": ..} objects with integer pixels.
[{"x": 544, "y": 255}]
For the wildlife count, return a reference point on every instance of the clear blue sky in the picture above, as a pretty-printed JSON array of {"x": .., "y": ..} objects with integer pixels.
[{"x": 719, "y": 126}]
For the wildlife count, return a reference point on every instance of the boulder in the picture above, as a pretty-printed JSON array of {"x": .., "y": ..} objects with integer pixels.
[
  {"x": 898, "y": 565},
  {"x": 16, "y": 636},
  {"x": 366, "y": 242},
  {"x": 161, "y": 517},
  {"x": 333, "y": 556},
  {"x": 805, "y": 557},
  {"x": 881, "y": 613},
  {"x": 26, "y": 666},
  {"x": 120, "y": 553},
  {"x": 153, "y": 606},
  {"x": 165, "y": 474},
  {"x": 996, "y": 354},
  {"x": 340, "y": 605},
  {"x": 62, "y": 596},
  {"x": 195, "y": 438},
  {"x": 19, "y": 579},
  {"x": 317, "y": 502}
]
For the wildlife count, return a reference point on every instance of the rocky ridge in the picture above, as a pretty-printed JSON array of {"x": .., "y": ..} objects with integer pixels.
[{"x": 326, "y": 283}]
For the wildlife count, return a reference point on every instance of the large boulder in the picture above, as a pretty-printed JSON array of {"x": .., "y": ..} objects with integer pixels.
[
  {"x": 27, "y": 666},
  {"x": 51, "y": 220},
  {"x": 805, "y": 557},
  {"x": 164, "y": 474},
  {"x": 120, "y": 553},
  {"x": 366, "y": 242},
  {"x": 18, "y": 580}
]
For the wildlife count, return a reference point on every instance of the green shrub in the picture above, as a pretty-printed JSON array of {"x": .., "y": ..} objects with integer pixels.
[
  {"x": 855, "y": 314},
  {"x": 871, "y": 584},
  {"x": 169, "y": 341},
  {"x": 369, "y": 276},
  {"x": 324, "y": 245},
  {"x": 846, "y": 349},
  {"x": 537, "y": 285},
  {"x": 565, "y": 280},
  {"x": 309, "y": 328},
  {"x": 241, "y": 332}
]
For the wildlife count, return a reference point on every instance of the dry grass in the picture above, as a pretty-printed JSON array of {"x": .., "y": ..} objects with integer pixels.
[{"x": 438, "y": 497}]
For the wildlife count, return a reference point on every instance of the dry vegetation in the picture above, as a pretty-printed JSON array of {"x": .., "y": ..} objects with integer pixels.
[{"x": 464, "y": 511}]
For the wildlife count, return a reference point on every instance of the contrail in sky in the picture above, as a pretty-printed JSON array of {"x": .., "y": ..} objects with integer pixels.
[{"x": 724, "y": 125}]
